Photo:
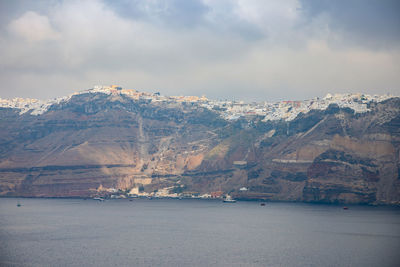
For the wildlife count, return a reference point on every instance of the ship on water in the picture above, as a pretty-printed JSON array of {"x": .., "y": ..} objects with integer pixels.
[{"x": 229, "y": 199}]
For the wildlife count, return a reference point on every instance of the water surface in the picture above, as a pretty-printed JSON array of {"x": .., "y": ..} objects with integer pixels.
[{"x": 75, "y": 232}]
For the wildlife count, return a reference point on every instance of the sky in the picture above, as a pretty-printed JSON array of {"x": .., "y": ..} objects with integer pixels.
[{"x": 252, "y": 50}]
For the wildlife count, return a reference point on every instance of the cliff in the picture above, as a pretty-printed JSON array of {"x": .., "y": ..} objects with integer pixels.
[{"x": 99, "y": 139}]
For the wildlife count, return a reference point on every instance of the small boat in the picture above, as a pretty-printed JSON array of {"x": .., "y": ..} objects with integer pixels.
[
  {"x": 262, "y": 204},
  {"x": 229, "y": 199},
  {"x": 19, "y": 204},
  {"x": 98, "y": 198},
  {"x": 345, "y": 208}
]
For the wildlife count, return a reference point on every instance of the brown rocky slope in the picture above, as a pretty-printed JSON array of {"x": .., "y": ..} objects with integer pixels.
[{"x": 112, "y": 141}]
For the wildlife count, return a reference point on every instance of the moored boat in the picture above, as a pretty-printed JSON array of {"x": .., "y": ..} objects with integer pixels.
[{"x": 229, "y": 199}]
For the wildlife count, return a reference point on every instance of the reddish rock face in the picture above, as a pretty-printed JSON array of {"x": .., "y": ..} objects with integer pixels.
[{"x": 98, "y": 141}]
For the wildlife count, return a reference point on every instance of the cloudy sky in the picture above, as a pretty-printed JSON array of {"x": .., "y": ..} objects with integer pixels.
[{"x": 224, "y": 49}]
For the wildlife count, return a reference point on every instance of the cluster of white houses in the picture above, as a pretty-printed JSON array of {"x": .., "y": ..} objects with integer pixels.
[{"x": 229, "y": 110}]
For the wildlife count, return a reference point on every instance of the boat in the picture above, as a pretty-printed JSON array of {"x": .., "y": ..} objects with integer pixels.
[
  {"x": 229, "y": 199},
  {"x": 19, "y": 204},
  {"x": 98, "y": 198},
  {"x": 345, "y": 208},
  {"x": 262, "y": 204}
]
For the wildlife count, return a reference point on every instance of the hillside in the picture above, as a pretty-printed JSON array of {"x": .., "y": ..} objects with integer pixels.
[{"x": 343, "y": 148}]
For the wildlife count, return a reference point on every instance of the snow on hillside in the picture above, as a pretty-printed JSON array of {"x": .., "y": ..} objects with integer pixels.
[{"x": 229, "y": 110}]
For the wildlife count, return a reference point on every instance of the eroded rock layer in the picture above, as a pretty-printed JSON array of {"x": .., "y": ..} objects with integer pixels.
[{"x": 97, "y": 140}]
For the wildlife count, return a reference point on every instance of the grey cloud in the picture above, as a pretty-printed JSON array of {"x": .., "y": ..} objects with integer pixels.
[
  {"x": 371, "y": 23},
  {"x": 177, "y": 13},
  {"x": 188, "y": 14},
  {"x": 234, "y": 49}
]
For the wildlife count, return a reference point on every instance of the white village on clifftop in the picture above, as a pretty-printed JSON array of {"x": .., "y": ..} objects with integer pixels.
[{"x": 229, "y": 110}]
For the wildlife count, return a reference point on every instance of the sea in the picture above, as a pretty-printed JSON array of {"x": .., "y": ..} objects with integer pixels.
[{"x": 168, "y": 232}]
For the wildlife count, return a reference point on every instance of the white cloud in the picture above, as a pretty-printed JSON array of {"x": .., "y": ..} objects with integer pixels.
[
  {"x": 272, "y": 15},
  {"x": 33, "y": 27}
]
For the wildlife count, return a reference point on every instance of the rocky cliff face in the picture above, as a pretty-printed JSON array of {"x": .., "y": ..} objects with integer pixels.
[{"x": 102, "y": 140}]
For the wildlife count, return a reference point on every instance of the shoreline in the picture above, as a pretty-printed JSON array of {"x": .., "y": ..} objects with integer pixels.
[{"x": 214, "y": 199}]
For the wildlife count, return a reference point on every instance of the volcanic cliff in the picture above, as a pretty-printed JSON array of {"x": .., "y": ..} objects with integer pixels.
[{"x": 110, "y": 139}]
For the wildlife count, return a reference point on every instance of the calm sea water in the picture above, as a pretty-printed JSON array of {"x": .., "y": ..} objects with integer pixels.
[{"x": 74, "y": 232}]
